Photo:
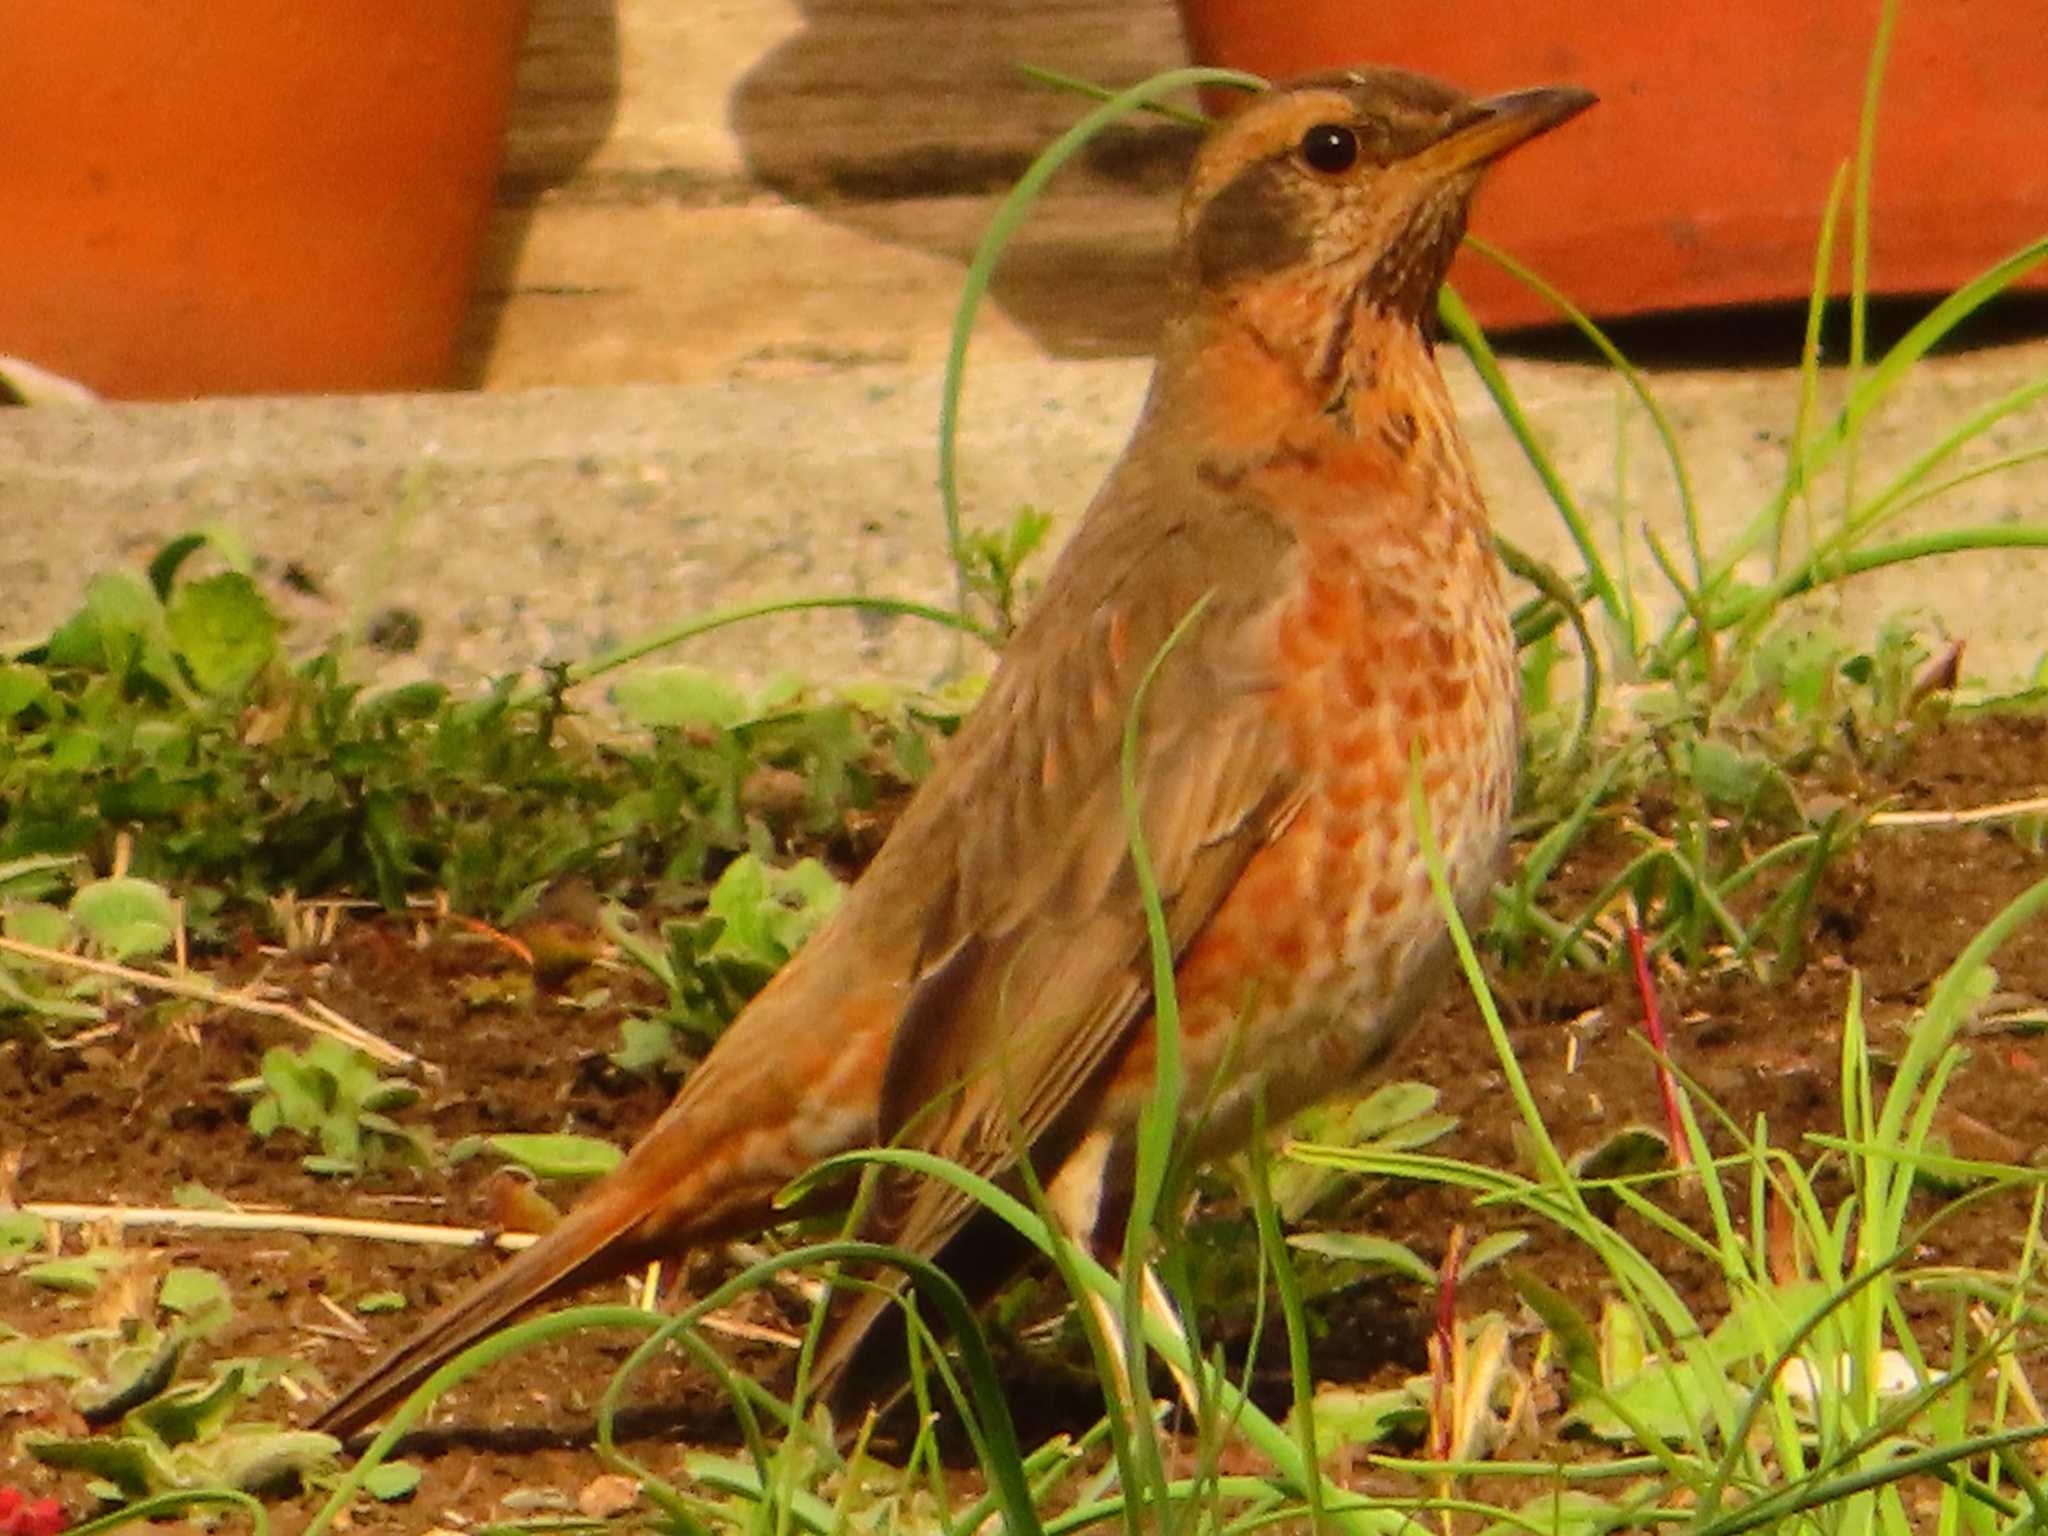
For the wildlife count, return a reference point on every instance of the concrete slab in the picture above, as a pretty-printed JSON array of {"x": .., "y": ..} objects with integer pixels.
[{"x": 545, "y": 524}]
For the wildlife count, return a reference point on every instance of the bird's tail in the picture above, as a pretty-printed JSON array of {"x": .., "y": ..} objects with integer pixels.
[{"x": 584, "y": 1247}]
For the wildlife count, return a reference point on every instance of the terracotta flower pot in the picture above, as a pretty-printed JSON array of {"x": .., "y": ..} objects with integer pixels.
[
  {"x": 249, "y": 196},
  {"x": 1701, "y": 177}
]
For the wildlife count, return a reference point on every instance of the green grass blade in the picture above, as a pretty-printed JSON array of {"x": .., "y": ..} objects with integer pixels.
[
  {"x": 1931, "y": 1039},
  {"x": 1009, "y": 214},
  {"x": 1795, "y": 487},
  {"x": 1464, "y": 329},
  {"x": 689, "y": 629},
  {"x": 1876, "y": 384},
  {"x": 1859, "y": 220},
  {"x": 1638, "y": 386}
]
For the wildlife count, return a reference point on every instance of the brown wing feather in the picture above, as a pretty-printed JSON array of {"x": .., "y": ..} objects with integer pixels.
[{"x": 1035, "y": 967}]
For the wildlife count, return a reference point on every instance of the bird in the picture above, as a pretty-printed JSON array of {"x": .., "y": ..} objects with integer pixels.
[{"x": 1294, "y": 557}]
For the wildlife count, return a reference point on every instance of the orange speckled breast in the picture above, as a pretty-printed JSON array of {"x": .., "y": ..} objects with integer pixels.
[{"x": 1396, "y": 641}]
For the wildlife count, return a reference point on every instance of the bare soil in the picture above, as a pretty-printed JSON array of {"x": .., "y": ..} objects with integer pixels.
[{"x": 147, "y": 1107}]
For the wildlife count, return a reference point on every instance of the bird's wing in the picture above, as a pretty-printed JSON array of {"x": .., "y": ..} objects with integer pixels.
[{"x": 1034, "y": 963}]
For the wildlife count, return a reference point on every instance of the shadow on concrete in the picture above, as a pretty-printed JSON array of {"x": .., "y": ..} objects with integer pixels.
[
  {"x": 1771, "y": 335},
  {"x": 910, "y": 122},
  {"x": 563, "y": 105}
]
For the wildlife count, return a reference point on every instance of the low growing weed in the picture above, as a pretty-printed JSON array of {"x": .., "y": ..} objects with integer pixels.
[{"x": 334, "y": 1095}]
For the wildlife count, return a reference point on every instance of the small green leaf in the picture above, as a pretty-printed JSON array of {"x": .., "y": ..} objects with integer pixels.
[
  {"x": 14, "y": 992},
  {"x": 390, "y": 1481},
  {"x": 223, "y": 631},
  {"x": 22, "y": 688},
  {"x": 1490, "y": 1250},
  {"x": 189, "y": 1291},
  {"x": 178, "y": 1418},
  {"x": 1361, "y": 1248},
  {"x": 1762, "y": 1323},
  {"x": 1565, "y": 1512},
  {"x": 1349, "y": 1417},
  {"x": 301, "y": 1093},
  {"x": 644, "y": 1045},
  {"x": 1669, "y": 1406},
  {"x": 1567, "y": 1325},
  {"x": 1628, "y": 1153},
  {"x": 39, "y": 875},
  {"x": 878, "y": 699},
  {"x": 126, "y": 917},
  {"x": 163, "y": 565},
  {"x": 768, "y": 913},
  {"x": 559, "y": 1156},
  {"x": 20, "y": 1232},
  {"x": 408, "y": 701},
  {"x": 1389, "y": 1105},
  {"x": 122, "y": 632},
  {"x": 39, "y": 923},
  {"x": 24, "y": 1360},
  {"x": 677, "y": 696},
  {"x": 381, "y": 1301},
  {"x": 75, "y": 1277},
  {"x": 258, "y": 1460},
  {"x": 1726, "y": 776},
  {"x": 132, "y": 1464},
  {"x": 391, "y": 1093},
  {"x": 1624, "y": 1351},
  {"x": 135, "y": 1376}
]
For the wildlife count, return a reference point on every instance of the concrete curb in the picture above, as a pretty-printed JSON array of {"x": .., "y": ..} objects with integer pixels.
[{"x": 528, "y": 526}]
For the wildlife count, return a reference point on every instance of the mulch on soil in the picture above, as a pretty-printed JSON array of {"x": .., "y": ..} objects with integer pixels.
[{"x": 132, "y": 1115}]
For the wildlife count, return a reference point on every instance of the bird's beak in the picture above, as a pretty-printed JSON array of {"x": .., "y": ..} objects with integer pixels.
[{"x": 1500, "y": 123}]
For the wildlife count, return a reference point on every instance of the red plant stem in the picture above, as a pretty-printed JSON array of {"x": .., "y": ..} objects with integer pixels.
[{"x": 1653, "y": 1026}]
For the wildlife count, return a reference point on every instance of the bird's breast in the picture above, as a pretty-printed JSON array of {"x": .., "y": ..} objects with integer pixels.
[{"x": 1390, "y": 657}]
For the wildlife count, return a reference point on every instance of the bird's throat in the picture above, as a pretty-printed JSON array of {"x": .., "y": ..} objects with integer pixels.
[{"x": 1261, "y": 369}]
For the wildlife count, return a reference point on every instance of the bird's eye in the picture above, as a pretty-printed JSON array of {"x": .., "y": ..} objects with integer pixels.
[{"x": 1329, "y": 148}]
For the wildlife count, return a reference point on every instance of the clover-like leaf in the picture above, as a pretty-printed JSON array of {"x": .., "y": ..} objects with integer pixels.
[{"x": 126, "y": 917}]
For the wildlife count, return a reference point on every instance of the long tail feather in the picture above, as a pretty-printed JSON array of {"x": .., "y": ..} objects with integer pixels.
[{"x": 582, "y": 1248}]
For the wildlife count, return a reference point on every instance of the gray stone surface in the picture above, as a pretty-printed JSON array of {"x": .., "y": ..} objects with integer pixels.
[{"x": 541, "y": 525}]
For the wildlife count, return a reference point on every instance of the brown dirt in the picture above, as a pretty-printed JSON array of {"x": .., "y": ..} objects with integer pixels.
[{"x": 147, "y": 1107}]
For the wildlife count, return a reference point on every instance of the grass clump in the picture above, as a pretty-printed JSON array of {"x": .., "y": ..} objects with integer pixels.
[{"x": 166, "y": 723}]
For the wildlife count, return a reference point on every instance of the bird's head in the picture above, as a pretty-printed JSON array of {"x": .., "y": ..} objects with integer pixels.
[{"x": 1349, "y": 187}]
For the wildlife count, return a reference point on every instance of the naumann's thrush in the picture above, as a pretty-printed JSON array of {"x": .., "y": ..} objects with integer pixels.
[{"x": 984, "y": 992}]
